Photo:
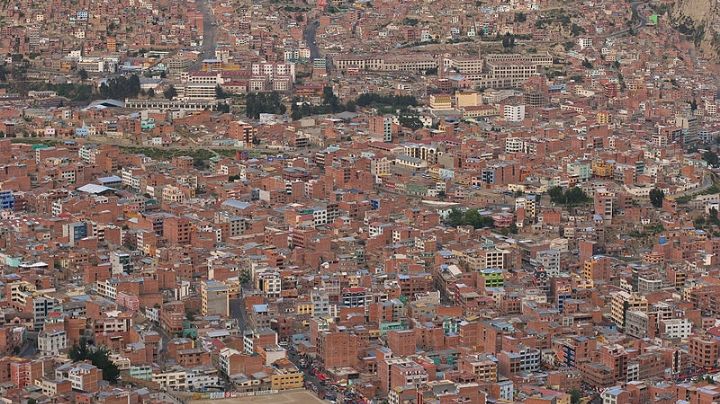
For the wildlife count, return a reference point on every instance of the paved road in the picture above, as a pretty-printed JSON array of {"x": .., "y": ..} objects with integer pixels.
[
  {"x": 288, "y": 397},
  {"x": 641, "y": 20},
  {"x": 309, "y": 377},
  {"x": 237, "y": 310},
  {"x": 207, "y": 50},
  {"x": 708, "y": 181},
  {"x": 310, "y": 36}
]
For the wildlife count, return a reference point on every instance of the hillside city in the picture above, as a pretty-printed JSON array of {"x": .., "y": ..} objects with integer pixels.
[{"x": 359, "y": 201}]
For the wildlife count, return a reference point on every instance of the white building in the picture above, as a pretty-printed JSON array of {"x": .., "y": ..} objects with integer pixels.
[
  {"x": 51, "y": 343},
  {"x": 514, "y": 145},
  {"x": 514, "y": 113},
  {"x": 676, "y": 328},
  {"x": 202, "y": 378},
  {"x": 550, "y": 260},
  {"x": 173, "y": 380},
  {"x": 584, "y": 42}
]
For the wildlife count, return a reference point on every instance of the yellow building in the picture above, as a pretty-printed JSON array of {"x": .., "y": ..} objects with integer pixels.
[
  {"x": 603, "y": 168},
  {"x": 286, "y": 378},
  {"x": 440, "y": 101},
  {"x": 305, "y": 308},
  {"x": 602, "y": 118},
  {"x": 467, "y": 99}
]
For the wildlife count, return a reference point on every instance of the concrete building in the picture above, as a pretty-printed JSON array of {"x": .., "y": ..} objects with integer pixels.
[{"x": 214, "y": 298}]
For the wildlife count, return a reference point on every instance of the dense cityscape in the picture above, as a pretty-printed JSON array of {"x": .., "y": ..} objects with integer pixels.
[{"x": 360, "y": 201}]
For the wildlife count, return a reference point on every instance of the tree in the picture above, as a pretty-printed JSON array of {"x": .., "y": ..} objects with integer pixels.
[
  {"x": 170, "y": 92},
  {"x": 410, "y": 121},
  {"x": 121, "y": 87},
  {"x": 394, "y": 101},
  {"x": 244, "y": 277},
  {"x": 508, "y": 41},
  {"x": 520, "y": 17},
  {"x": 713, "y": 217},
  {"x": 572, "y": 196},
  {"x": 220, "y": 93},
  {"x": 576, "y": 30},
  {"x": 693, "y": 105},
  {"x": 586, "y": 64},
  {"x": 263, "y": 103},
  {"x": 557, "y": 195},
  {"x": 151, "y": 93},
  {"x": 83, "y": 74},
  {"x": 455, "y": 217},
  {"x": 575, "y": 396},
  {"x": 79, "y": 351},
  {"x": 100, "y": 357},
  {"x": 711, "y": 158},
  {"x": 575, "y": 195},
  {"x": 470, "y": 217},
  {"x": 656, "y": 197}
]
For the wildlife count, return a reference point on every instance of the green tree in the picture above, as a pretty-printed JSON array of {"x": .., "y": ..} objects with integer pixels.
[
  {"x": 586, "y": 64},
  {"x": 571, "y": 196},
  {"x": 557, "y": 195},
  {"x": 263, "y": 103},
  {"x": 220, "y": 93},
  {"x": 656, "y": 197},
  {"x": 100, "y": 357},
  {"x": 151, "y": 93},
  {"x": 508, "y": 41},
  {"x": 455, "y": 217},
  {"x": 576, "y": 30},
  {"x": 393, "y": 101},
  {"x": 575, "y": 396},
  {"x": 470, "y": 217},
  {"x": 713, "y": 217},
  {"x": 83, "y": 74},
  {"x": 520, "y": 17},
  {"x": 170, "y": 92},
  {"x": 711, "y": 158},
  {"x": 121, "y": 87},
  {"x": 245, "y": 277},
  {"x": 575, "y": 195},
  {"x": 410, "y": 121}
]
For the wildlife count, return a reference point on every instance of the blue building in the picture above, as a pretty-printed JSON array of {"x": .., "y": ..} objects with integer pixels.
[{"x": 7, "y": 200}]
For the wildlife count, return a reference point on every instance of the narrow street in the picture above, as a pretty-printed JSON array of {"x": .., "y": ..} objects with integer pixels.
[
  {"x": 207, "y": 49},
  {"x": 310, "y": 35}
]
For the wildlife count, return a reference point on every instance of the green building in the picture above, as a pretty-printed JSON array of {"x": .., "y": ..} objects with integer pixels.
[{"x": 493, "y": 277}]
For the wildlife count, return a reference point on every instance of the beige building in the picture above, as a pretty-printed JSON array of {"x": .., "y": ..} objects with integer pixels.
[
  {"x": 214, "y": 298},
  {"x": 622, "y": 302}
]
